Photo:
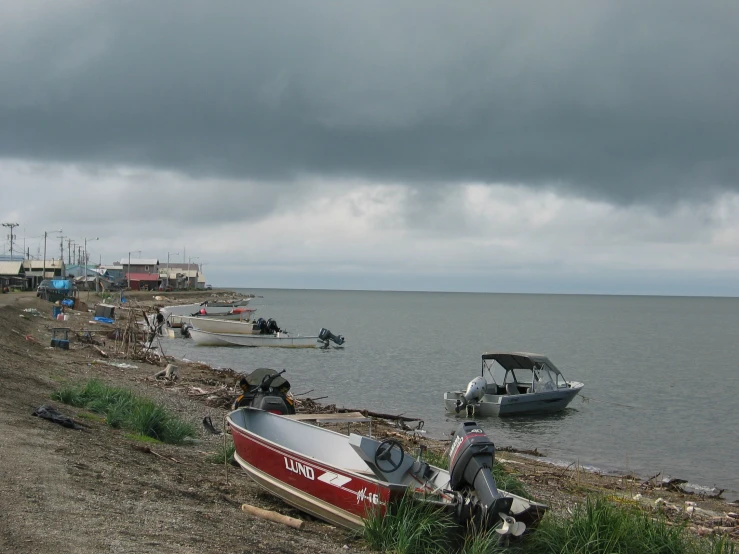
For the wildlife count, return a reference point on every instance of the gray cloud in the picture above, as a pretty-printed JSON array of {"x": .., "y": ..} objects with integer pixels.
[{"x": 626, "y": 101}]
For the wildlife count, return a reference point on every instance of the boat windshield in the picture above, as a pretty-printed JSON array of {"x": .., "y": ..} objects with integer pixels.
[{"x": 540, "y": 376}]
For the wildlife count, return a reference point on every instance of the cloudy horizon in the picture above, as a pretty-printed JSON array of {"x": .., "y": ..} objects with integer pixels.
[{"x": 490, "y": 147}]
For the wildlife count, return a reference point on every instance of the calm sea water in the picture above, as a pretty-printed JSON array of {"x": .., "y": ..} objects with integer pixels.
[{"x": 660, "y": 373}]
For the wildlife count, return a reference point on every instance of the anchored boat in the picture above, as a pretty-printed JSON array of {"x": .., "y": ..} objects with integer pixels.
[
  {"x": 273, "y": 338},
  {"x": 340, "y": 478},
  {"x": 520, "y": 383}
]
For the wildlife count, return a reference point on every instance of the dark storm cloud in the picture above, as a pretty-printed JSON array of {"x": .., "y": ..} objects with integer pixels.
[{"x": 623, "y": 100}]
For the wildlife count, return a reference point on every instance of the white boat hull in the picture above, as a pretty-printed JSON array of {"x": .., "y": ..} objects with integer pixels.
[
  {"x": 218, "y": 325},
  {"x": 189, "y": 309},
  {"x": 279, "y": 340},
  {"x": 497, "y": 405}
]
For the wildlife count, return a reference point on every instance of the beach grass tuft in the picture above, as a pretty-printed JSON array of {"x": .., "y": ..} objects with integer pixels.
[
  {"x": 225, "y": 452},
  {"x": 408, "y": 527},
  {"x": 123, "y": 409},
  {"x": 600, "y": 527}
]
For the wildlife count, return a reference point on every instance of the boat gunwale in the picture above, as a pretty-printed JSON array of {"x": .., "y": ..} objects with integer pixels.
[{"x": 327, "y": 466}]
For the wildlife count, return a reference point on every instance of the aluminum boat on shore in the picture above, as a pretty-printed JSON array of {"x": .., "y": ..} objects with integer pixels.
[
  {"x": 341, "y": 478},
  {"x": 520, "y": 383}
]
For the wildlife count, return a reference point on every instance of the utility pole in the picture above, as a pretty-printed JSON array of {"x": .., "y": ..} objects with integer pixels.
[
  {"x": 11, "y": 225},
  {"x": 69, "y": 251},
  {"x": 61, "y": 256}
]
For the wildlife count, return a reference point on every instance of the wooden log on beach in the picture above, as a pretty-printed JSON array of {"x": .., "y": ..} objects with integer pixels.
[
  {"x": 272, "y": 516},
  {"x": 369, "y": 413}
]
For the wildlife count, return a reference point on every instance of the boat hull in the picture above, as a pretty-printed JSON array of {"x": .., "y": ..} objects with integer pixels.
[
  {"x": 331, "y": 475},
  {"x": 190, "y": 309},
  {"x": 279, "y": 340},
  {"x": 326, "y": 492},
  {"x": 492, "y": 405},
  {"x": 220, "y": 325}
]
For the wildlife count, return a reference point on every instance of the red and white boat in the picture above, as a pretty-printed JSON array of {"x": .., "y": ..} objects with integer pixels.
[{"x": 339, "y": 478}]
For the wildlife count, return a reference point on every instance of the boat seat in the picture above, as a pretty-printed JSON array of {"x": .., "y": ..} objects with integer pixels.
[{"x": 512, "y": 388}]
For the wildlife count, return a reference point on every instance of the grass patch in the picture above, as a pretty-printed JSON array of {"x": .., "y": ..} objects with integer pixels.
[
  {"x": 600, "y": 527},
  {"x": 409, "y": 527},
  {"x": 125, "y": 410},
  {"x": 224, "y": 452}
]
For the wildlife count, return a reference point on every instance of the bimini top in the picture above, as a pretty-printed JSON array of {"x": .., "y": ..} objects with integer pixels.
[{"x": 517, "y": 360}]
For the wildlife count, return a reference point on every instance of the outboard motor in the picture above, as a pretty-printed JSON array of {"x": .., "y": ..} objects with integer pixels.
[
  {"x": 471, "y": 458},
  {"x": 475, "y": 391},
  {"x": 185, "y": 330},
  {"x": 264, "y": 395},
  {"x": 325, "y": 335},
  {"x": 272, "y": 326},
  {"x": 261, "y": 324}
]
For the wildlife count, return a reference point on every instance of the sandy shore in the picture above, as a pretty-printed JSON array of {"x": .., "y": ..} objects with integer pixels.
[{"x": 97, "y": 491}]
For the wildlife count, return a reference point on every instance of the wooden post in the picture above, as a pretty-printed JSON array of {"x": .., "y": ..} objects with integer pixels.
[{"x": 272, "y": 516}]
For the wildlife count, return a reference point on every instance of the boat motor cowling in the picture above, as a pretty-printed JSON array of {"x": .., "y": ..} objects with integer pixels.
[
  {"x": 471, "y": 465},
  {"x": 325, "y": 335},
  {"x": 475, "y": 391}
]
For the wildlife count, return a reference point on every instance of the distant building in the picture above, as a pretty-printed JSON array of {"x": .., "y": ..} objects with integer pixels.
[
  {"x": 143, "y": 281},
  {"x": 11, "y": 275},
  {"x": 140, "y": 265},
  {"x": 38, "y": 270}
]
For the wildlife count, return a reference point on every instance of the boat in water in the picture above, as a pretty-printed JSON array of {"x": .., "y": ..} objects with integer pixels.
[
  {"x": 520, "y": 383},
  {"x": 210, "y": 307},
  {"x": 237, "y": 315},
  {"x": 277, "y": 338},
  {"x": 342, "y": 478}
]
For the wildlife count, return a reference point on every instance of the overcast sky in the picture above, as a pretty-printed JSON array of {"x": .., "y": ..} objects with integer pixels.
[{"x": 572, "y": 146}]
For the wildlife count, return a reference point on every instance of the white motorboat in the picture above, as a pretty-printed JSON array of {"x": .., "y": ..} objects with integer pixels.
[
  {"x": 519, "y": 383},
  {"x": 237, "y": 315},
  {"x": 211, "y": 308},
  {"x": 342, "y": 479},
  {"x": 280, "y": 339}
]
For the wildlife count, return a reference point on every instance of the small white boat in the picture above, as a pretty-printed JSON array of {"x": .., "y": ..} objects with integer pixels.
[
  {"x": 211, "y": 308},
  {"x": 520, "y": 383},
  {"x": 341, "y": 479},
  {"x": 237, "y": 315},
  {"x": 281, "y": 339}
]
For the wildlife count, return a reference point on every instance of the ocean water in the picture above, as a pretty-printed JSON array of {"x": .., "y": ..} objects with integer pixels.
[{"x": 660, "y": 373}]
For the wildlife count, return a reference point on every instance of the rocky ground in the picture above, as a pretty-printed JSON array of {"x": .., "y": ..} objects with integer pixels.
[{"x": 96, "y": 490}]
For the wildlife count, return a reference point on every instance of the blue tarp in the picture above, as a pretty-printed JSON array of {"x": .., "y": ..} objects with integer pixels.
[
  {"x": 61, "y": 284},
  {"x": 68, "y": 302}
]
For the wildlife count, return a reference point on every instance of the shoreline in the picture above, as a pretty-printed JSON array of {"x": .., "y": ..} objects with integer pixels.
[{"x": 94, "y": 490}]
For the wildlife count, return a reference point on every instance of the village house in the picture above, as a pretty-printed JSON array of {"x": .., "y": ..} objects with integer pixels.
[
  {"x": 36, "y": 271},
  {"x": 11, "y": 275}
]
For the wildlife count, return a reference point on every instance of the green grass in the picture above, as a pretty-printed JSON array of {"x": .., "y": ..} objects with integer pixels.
[
  {"x": 408, "y": 527},
  {"x": 125, "y": 410},
  {"x": 600, "y": 527},
  {"x": 225, "y": 452}
]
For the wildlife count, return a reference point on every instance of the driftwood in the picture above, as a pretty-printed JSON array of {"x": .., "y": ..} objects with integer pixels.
[
  {"x": 272, "y": 516},
  {"x": 100, "y": 351},
  {"x": 169, "y": 373},
  {"x": 148, "y": 450},
  {"x": 369, "y": 413}
]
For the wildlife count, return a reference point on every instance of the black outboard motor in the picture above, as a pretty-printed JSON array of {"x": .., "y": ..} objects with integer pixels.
[
  {"x": 471, "y": 465},
  {"x": 272, "y": 326},
  {"x": 261, "y": 324},
  {"x": 267, "y": 390},
  {"x": 325, "y": 335}
]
